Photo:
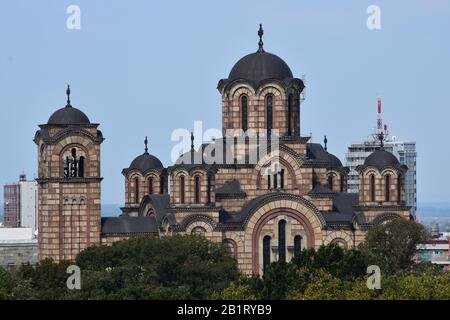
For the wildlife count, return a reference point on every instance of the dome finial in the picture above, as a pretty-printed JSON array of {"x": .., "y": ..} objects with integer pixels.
[
  {"x": 146, "y": 144},
  {"x": 325, "y": 140},
  {"x": 260, "y": 34},
  {"x": 192, "y": 142},
  {"x": 381, "y": 138},
  {"x": 68, "y": 105}
]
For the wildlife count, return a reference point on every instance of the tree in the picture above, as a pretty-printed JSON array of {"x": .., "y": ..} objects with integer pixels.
[
  {"x": 176, "y": 267},
  {"x": 278, "y": 280},
  {"x": 237, "y": 290},
  {"x": 323, "y": 286},
  {"x": 393, "y": 244},
  {"x": 343, "y": 263}
]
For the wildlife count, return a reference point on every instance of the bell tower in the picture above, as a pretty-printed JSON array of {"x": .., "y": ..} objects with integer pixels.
[{"x": 69, "y": 183}]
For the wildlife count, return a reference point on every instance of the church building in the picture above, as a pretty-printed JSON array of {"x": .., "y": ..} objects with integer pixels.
[{"x": 293, "y": 196}]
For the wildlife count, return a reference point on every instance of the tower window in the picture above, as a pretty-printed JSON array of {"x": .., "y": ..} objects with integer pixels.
[
  {"x": 136, "y": 190},
  {"x": 73, "y": 169},
  {"x": 161, "y": 185},
  {"x": 289, "y": 112},
  {"x": 66, "y": 167},
  {"x": 269, "y": 113},
  {"x": 297, "y": 245},
  {"x": 197, "y": 189},
  {"x": 282, "y": 178},
  {"x": 399, "y": 188},
  {"x": 208, "y": 190},
  {"x": 266, "y": 252},
  {"x": 182, "y": 189},
  {"x": 268, "y": 182},
  {"x": 244, "y": 111},
  {"x": 387, "y": 180},
  {"x": 372, "y": 187},
  {"x": 150, "y": 185},
  {"x": 81, "y": 167},
  {"x": 342, "y": 182},
  {"x": 330, "y": 182},
  {"x": 282, "y": 240}
]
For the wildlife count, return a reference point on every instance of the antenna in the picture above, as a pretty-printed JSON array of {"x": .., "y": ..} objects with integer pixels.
[{"x": 380, "y": 130}]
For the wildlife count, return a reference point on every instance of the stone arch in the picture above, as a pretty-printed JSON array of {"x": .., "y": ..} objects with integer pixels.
[
  {"x": 295, "y": 208},
  {"x": 199, "y": 221},
  {"x": 239, "y": 88},
  {"x": 85, "y": 152},
  {"x": 389, "y": 171},
  {"x": 340, "y": 242},
  {"x": 339, "y": 236},
  {"x": 231, "y": 243},
  {"x": 286, "y": 157},
  {"x": 270, "y": 88},
  {"x": 384, "y": 217}
]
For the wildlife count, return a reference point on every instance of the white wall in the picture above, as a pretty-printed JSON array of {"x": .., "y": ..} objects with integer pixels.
[
  {"x": 16, "y": 234},
  {"x": 28, "y": 204}
]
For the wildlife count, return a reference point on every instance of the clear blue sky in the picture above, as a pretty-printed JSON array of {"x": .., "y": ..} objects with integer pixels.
[{"x": 149, "y": 67}]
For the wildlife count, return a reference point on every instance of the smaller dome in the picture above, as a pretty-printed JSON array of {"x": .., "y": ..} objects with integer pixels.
[
  {"x": 381, "y": 159},
  {"x": 145, "y": 162},
  {"x": 334, "y": 161},
  {"x": 68, "y": 115},
  {"x": 260, "y": 66}
]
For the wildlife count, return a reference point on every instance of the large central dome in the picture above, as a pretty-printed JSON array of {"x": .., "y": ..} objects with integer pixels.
[{"x": 259, "y": 66}]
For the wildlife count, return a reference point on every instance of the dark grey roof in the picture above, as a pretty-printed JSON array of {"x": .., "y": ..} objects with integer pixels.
[
  {"x": 334, "y": 161},
  {"x": 126, "y": 225},
  {"x": 160, "y": 203},
  {"x": 343, "y": 212},
  {"x": 259, "y": 66},
  {"x": 320, "y": 190},
  {"x": 381, "y": 159},
  {"x": 145, "y": 162},
  {"x": 315, "y": 151},
  {"x": 229, "y": 218},
  {"x": 231, "y": 188},
  {"x": 68, "y": 115}
]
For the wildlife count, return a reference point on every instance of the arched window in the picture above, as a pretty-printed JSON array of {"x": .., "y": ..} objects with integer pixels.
[
  {"x": 66, "y": 167},
  {"x": 330, "y": 182},
  {"x": 81, "y": 167},
  {"x": 136, "y": 190},
  {"x": 399, "y": 188},
  {"x": 339, "y": 242},
  {"x": 150, "y": 185},
  {"x": 73, "y": 161},
  {"x": 387, "y": 182},
  {"x": 282, "y": 178},
  {"x": 342, "y": 182},
  {"x": 266, "y": 252},
  {"x": 197, "y": 189},
  {"x": 268, "y": 182},
  {"x": 198, "y": 230},
  {"x": 297, "y": 245},
  {"x": 208, "y": 189},
  {"x": 282, "y": 240},
  {"x": 182, "y": 189},
  {"x": 275, "y": 181},
  {"x": 161, "y": 185},
  {"x": 230, "y": 247},
  {"x": 244, "y": 112},
  {"x": 289, "y": 117},
  {"x": 372, "y": 187},
  {"x": 269, "y": 113}
]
